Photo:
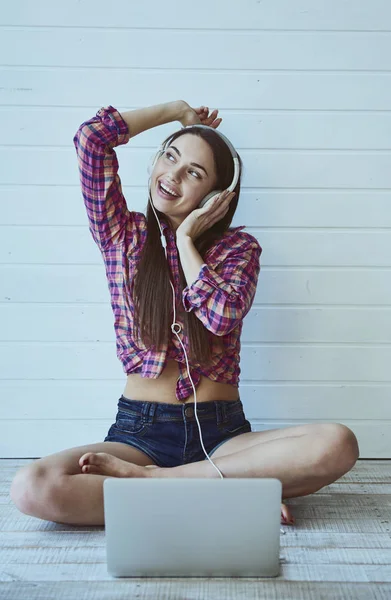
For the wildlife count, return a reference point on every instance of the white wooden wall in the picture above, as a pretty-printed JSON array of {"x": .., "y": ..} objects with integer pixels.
[{"x": 304, "y": 90}]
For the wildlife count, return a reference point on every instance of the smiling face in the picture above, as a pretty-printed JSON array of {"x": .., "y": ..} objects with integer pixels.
[{"x": 187, "y": 168}]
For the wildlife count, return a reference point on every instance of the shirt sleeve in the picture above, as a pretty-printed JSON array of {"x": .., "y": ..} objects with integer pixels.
[
  {"x": 94, "y": 141},
  {"x": 222, "y": 297}
]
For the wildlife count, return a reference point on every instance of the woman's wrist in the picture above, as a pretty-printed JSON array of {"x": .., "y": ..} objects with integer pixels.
[{"x": 179, "y": 107}]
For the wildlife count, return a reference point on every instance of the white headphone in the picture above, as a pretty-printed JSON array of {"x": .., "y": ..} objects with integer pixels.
[{"x": 155, "y": 157}]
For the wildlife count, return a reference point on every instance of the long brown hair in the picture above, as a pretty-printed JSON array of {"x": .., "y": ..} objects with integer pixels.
[{"x": 152, "y": 293}]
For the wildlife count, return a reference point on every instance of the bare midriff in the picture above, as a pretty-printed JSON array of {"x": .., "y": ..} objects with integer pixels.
[{"x": 163, "y": 388}]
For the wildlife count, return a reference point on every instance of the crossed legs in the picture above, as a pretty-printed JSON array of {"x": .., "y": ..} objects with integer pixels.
[{"x": 67, "y": 487}]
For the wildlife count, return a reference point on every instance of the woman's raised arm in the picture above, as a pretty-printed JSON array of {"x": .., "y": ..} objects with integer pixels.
[
  {"x": 142, "y": 119},
  {"x": 95, "y": 140}
]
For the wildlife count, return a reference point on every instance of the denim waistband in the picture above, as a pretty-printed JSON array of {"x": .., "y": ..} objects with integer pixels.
[{"x": 220, "y": 411}]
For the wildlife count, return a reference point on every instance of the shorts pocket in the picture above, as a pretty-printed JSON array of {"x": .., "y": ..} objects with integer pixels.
[
  {"x": 130, "y": 423},
  {"x": 235, "y": 425}
]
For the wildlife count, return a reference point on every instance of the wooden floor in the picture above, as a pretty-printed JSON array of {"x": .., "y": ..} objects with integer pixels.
[{"x": 340, "y": 547}]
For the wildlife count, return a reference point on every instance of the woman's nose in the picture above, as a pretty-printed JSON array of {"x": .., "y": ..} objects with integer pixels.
[{"x": 176, "y": 172}]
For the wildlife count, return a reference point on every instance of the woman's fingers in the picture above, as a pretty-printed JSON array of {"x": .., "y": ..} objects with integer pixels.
[
  {"x": 216, "y": 123},
  {"x": 208, "y": 119},
  {"x": 218, "y": 201},
  {"x": 224, "y": 196},
  {"x": 219, "y": 213},
  {"x": 212, "y": 116}
]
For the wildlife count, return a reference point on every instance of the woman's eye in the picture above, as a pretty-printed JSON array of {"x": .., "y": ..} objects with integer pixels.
[{"x": 169, "y": 154}]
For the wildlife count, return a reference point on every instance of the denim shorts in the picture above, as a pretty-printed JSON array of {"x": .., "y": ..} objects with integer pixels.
[{"x": 169, "y": 434}]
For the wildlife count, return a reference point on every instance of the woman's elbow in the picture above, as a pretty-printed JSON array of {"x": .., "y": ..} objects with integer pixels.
[{"x": 226, "y": 326}]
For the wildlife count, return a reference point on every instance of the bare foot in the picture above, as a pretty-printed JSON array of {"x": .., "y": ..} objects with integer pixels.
[
  {"x": 101, "y": 463},
  {"x": 285, "y": 512}
]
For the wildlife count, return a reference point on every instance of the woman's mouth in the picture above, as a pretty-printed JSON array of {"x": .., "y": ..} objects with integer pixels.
[{"x": 164, "y": 194}]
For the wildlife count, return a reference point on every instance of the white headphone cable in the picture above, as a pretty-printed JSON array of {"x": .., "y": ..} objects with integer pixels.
[{"x": 164, "y": 244}]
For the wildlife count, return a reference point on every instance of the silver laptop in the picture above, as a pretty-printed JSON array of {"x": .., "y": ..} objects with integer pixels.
[{"x": 180, "y": 527}]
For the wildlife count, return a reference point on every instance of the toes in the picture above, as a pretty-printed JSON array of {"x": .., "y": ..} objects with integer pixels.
[
  {"x": 92, "y": 458},
  {"x": 90, "y": 469},
  {"x": 286, "y": 515},
  {"x": 86, "y": 458}
]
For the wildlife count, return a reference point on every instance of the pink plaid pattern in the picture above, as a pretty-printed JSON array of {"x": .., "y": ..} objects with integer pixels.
[{"x": 220, "y": 297}]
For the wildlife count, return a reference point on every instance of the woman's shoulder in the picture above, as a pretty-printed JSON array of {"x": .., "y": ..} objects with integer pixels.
[
  {"x": 233, "y": 240},
  {"x": 237, "y": 237}
]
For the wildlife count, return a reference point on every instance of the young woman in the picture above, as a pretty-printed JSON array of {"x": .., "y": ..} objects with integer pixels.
[{"x": 214, "y": 272}]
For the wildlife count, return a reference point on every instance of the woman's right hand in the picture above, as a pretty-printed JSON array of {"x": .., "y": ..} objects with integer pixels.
[{"x": 198, "y": 116}]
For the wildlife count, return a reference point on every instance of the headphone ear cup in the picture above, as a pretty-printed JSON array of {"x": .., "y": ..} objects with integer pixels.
[{"x": 208, "y": 197}]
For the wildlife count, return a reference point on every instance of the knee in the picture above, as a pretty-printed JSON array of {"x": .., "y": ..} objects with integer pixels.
[
  {"x": 33, "y": 493},
  {"x": 26, "y": 487},
  {"x": 341, "y": 449}
]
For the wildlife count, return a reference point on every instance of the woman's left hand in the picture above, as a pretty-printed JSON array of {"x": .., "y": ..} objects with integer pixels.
[
  {"x": 198, "y": 116},
  {"x": 201, "y": 219}
]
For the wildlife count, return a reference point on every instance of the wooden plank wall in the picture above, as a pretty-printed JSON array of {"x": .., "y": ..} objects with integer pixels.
[{"x": 304, "y": 92}]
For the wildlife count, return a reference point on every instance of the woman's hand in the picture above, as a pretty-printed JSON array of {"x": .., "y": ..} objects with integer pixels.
[
  {"x": 198, "y": 116},
  {"x": 201, "y": 219}
]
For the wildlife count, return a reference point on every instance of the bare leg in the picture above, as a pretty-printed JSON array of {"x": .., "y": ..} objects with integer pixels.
[
  {"x": 302, "y": 466},
  {"x": 55, "y": 489},
  {"x": 295, "y": 460},
  {"x": 288, "y": 459},
  {"x": 94, "y": 462}
]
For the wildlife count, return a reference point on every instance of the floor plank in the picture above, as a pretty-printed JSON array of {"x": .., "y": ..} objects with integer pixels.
[
  {"x": 195, "y": 589},
  {"x": 340, "y": 547}
]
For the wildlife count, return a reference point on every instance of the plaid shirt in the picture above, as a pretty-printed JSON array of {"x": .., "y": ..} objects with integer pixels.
[{"x": 220, "y": 297}]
